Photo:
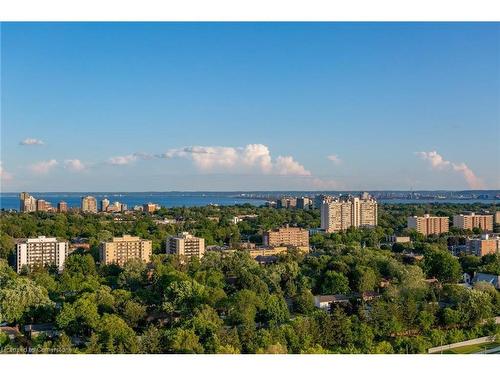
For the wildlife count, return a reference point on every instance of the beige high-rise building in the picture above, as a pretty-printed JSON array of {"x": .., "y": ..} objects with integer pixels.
[
  {"x": 322, "y": 198},
  {"x": 286, "y": 202},
  {"x": 122, "y": 249},
  {"x": 43, "y": 205},
  {"x": 368, "y": 211},
  {"x": 471, "y": 220},
  {"x": 89, "y": 204},
  {"x": 186, "y": 244},
  {"x": 428, "y": 225},
  {"x": 104, "y": 205},
  {"x": 497, "y": 217},
  {"x": 116, "y": 207},
  {"x": 41, "y": 251},
  {"x": 150, "y": 207},
  {"x": 287, "y": 236},
  {"x": 62, "y": 206},
  {"x": 343, "y": 213},
  {"x": 27, "y": 203}
]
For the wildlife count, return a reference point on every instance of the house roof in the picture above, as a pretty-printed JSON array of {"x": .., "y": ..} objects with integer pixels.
[
  {"x": 10, "y": 330},
  {"x": 332, "y": 298},
  {"x": 39, "y": 327}
]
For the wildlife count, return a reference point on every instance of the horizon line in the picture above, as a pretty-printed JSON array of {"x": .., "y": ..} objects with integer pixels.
[{"x": 252, "y": 191}]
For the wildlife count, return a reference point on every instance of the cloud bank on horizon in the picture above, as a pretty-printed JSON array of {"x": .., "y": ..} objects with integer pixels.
[
  {"x": 438, "y": 163},
  {"x": 249, "y": 159}
]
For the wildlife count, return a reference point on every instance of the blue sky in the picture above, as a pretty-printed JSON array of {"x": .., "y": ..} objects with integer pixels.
[{"x": 249, "y": 106}]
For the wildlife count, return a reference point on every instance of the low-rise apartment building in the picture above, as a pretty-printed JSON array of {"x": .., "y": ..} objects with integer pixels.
[{"x": 286, "y": 236}]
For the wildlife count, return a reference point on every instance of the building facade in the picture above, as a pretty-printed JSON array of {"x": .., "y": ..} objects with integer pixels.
[
  {"x": 62, "y": 206},
  {"x": 185, "y": 244},
  {"x": 122, "y": 249},
  {"x": 43, "y": 205},
  {"x": 89, "y": 204},
  {"x": 304, "y": 203},
  {"x": 104, "y": 205},
  {"x": 428, "y": 225},
  {"x": 27, "y": 203},
  {"x": 286, "y": 236},
  {"x": 484, "y": 245},
  {"x": 471, "y": 221},
  {"x": 342, "y": 213},
  {"x": 116, "y": 207},
  {"x": 322, "y": 198},
  {"x": 150, "y": 207},
  {"x": 286, "y": 202},
  {"x": 41, "y": 252}
]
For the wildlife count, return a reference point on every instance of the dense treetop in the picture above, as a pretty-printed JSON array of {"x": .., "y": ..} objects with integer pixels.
[{"x": 231, "y": 304}]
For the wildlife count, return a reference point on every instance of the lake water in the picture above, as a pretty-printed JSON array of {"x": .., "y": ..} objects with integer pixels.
[
  {"x": 11, "y": 200},
  {"x": 189, "y": 199}
]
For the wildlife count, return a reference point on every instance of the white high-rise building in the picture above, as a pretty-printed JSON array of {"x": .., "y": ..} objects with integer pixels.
[
  {"x": 345, "y": 212},
  {"x": 41, "y": 251}
]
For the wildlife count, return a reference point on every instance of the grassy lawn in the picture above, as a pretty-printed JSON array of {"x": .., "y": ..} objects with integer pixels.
[{"x": 471, "y": 349}]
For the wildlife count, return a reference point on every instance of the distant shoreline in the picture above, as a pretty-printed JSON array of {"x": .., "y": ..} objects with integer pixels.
[{"x": 10, "y": 201}]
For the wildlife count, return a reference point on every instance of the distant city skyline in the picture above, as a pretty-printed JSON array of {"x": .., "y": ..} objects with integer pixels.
[{"x": 249, "y": 106}]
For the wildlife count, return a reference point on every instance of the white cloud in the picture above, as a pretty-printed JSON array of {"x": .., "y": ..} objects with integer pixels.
[
  {"x": 250, "y": 157},
  {"x": 43, "y": 167},
  {"x": 437, "y": 162},
  {"x": 4, "y": 175},
  {"x": 122, "y": 160},
  {"x": 74, "y": 165},
  {"x": 335, "y": 159},
  {"x": 208, "y": 158},
  {"x": 128, "y": 159},
  {"x": 257, "y": 154},
  {"x": 31, "y": 142},
  {"x": 285, "y": 165},
  {"x": 473, "y": 181}
]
